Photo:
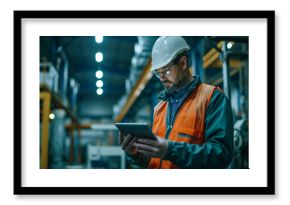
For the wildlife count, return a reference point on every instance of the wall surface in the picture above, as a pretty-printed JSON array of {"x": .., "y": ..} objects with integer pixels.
[{"x": 282, "y": 99}]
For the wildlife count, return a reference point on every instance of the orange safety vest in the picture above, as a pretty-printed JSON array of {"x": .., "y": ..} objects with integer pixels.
[{"x": 189, "y": 123}]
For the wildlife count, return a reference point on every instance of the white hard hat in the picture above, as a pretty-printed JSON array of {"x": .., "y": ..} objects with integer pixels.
[{"x": 165, "y": 49}]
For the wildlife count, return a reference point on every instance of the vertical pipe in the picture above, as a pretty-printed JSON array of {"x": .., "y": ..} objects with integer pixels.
[
  {"x": 65, "y": 78},
  {"x": 71, "y": 132},
  {"x": 193, "y": 64},
  {"x": 46, "y": 98},
  {"x": 197, "y": 59},
  {"x": 80, "y": 158},
  {"x": 246, "y": 81},
  {"x": 63, "y": 74},
  {"x": 57, "y": 141},
  {"x": 241, "y": 92},
  {"x": 75, "y": 146},
  {"x": 89, "y": 165},
  {"x": 74, "y": 98},
  {"x": 226, "y": 72}
]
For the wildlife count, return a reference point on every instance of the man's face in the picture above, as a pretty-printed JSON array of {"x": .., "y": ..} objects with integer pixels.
[
  {"x": 170, "y": 82},
  {"x": 171, "y": 77}
]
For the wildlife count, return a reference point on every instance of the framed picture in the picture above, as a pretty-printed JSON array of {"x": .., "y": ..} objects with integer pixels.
[{"x": 253, "y": 32}]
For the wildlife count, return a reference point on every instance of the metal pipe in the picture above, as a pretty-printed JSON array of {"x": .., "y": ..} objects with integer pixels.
[
  {"x": 197, "y": 59},
  {"x": 226, "y": 71},
  {"x": 76, "y": 146},
  {"x": 46, "y": 98},
  {"x": 64, "y": 75},
  {"x": 73, "y": 97},
  {"x": 57, "y": 141},
  {"x": 246, "y": 82},
  {"x": 80, "y": 154},
  {"x": 71, "y": 157}
]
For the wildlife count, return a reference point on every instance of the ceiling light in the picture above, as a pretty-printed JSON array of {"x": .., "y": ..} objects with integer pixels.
[
  {"x": 99, "y": 39},
  {"x": 99, "y": 83},
  {"x": 134, "y": 60},
  {"x": 229, "y": 45},
  {"x": 99, "y": 74},
  {"x": 99, "y": 57},
  {"x": 51, "y": 116},
  {"x": 99, "y": 91},
  {"x": 138, "y": 48}
]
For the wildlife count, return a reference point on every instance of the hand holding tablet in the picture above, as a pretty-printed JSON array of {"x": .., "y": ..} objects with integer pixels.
[{"x": 140, "y": 139}]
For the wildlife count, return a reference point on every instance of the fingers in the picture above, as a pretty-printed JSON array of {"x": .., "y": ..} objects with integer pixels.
[
  {"x": 132, "y": 145},
  {"x": 152, "y": 148},
  {"x": 146, "y": 148},
  {"x": 126, "y": 141},
  {"x": 148, "y": 141},
  {"x": 128, "y": 144}
]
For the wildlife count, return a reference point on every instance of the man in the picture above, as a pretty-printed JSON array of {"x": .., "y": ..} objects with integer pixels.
[{"x": 193, "y": 121}]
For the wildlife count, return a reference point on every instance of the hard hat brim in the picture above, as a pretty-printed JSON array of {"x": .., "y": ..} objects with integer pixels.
[{"x": 155, "y": 67}]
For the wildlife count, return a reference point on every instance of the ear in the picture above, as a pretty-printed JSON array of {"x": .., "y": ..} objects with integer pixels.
[{"x": 183, "y": 62}]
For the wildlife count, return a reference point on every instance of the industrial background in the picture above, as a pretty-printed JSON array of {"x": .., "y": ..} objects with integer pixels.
[{"x": 87, "y": 83}]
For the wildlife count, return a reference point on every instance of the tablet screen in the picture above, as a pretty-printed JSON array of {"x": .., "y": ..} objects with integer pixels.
[{"x": 140, "y": 130}]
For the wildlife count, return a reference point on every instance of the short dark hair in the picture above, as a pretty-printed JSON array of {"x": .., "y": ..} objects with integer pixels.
[{"x": 177, "y": 58}]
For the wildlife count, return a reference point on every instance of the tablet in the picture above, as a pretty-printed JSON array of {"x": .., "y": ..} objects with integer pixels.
[{"x": 140, "y": 130}]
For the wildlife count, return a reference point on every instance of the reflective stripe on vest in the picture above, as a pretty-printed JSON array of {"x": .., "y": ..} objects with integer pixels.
[{"x": 189, "y": 123}]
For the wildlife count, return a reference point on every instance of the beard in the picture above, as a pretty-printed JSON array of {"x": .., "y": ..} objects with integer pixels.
[
  {"x": 170, "y": 87},
  {"x": 170, "y": 90}
]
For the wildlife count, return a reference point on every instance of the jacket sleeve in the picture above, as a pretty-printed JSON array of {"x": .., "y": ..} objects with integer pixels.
[{"x": 217, "y": 150}]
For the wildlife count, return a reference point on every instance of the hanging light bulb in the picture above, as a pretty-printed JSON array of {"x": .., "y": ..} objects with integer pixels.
[
  {"x": 99, "y": 83},
  {"x": 99, "y": 39},
  {"x": 99, "y": 57},
  {"x": 99, "y": 74},
  {"x": 99, "y": 91}
]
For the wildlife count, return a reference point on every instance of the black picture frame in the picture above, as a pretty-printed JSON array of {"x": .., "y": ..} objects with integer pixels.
[{"x": 19, "y": 189}]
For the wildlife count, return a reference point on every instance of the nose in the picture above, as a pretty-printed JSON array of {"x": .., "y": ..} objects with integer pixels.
[{"x": 163, "y": 78}]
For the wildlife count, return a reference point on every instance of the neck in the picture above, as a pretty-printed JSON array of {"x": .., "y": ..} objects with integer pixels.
[{"x": 187, "y": 79}]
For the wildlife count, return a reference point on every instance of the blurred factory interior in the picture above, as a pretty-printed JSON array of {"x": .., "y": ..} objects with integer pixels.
[{"x": 87, "y": 83}]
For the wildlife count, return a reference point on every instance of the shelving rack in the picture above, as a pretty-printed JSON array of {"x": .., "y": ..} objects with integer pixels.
[{"x": 49, "y": 99}]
